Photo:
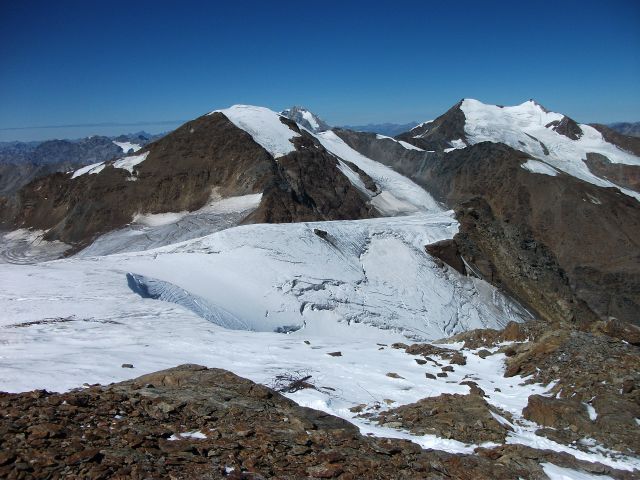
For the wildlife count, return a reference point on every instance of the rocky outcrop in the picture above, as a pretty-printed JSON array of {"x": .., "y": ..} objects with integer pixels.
[
  {"x": 447, "y": 251},
  {"x": 466, "y": 418},
  {"x": 619, "y": 173},
  {"x": 179, "y": 174},
  {"x": 625, "y": 142},
  {"x": 307, "y": 186},
  {"x": 567, "y": 127},
  {"x": 438, "y": 134},
  {"x": 191, "y": 422},
  {"x": 594, "y": 379}
]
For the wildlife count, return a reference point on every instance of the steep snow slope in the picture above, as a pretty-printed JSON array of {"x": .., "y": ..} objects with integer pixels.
[
  {"x": 264, "y": 126},
  {"x": 530, "y": 128},
  {"x": 399, "y": 195}
]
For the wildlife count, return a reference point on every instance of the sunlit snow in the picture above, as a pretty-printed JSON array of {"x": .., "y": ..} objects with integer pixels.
[
  {"x": 524, "y": 127},
  {"x": 126, "y": 146},
  {"x": 264, "y": 126}
]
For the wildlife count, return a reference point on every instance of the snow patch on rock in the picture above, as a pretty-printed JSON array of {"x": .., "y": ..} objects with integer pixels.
[
  {"x": 536, "y": 166},
  {"x": 264, "y": 126}
]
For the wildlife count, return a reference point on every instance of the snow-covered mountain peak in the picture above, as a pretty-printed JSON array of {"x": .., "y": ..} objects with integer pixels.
[
  {"x": 549, "y": 136},
  {"x": 306, "y": 118},
  {"x": 527, "y": 114},
  {"x": 265, "y": 127}
]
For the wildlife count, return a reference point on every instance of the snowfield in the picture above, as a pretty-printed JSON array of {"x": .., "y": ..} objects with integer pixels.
[
  {"x": 126, "y": 146},
  {"x": 524, "y": 127},
  {"x": 264, "y": 126},
  {"x": 399, "y": 195}
]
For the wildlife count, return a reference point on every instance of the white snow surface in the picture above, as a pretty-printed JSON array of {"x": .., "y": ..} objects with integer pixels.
[
  {"x": 456, "y": 145},
  {"x": 523, "y": 127},
  {"x": 406, "y": 145},
  {"x": 149, "y": 231},
  {"x": 126, "y": 146},
  {"x": 24, "y": 246},
  {"x": 91, "y": 169},
  {"x": 372, "y": 272},
  {"x": 367, "y": 285},
  {"x": 555, "y": 472},
  {"x": 196, "y": 434},
  {"x": 264, "y": 126},
  {"x": 536, "y": 166},
  {"x": 127, "y": 163},
  {"x": 399, "y": 195},
  {"x": 309, "y": 117}
]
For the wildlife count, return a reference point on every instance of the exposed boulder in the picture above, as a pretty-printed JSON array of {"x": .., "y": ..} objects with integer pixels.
[{"x": 466, "y": 418}]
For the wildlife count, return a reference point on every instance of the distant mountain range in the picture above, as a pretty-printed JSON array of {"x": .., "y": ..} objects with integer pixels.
[
  {"x": 388, "y": 129},
  {"x": 626, "y": 128},
  {"x": 22, "y": 162}
]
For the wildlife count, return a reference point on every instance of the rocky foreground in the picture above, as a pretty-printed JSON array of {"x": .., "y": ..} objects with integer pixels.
[{"x": 195, "y": 422}]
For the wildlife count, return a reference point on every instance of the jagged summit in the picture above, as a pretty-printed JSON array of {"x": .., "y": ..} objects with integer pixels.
[{"x": 306, "y": 118}]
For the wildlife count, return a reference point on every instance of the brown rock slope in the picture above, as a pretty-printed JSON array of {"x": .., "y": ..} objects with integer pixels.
[
  {"x": 191, "y": 422},
  {"x": 567, "y": 249},
  {"x": 179, "y": 173},
  {"x": 594, "y": 379}
]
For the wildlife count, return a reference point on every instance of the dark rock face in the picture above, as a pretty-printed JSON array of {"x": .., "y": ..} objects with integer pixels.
[
  {"x": 447, "y": 251},
  {"x": 619, "y": 173},
  {"x": 307, "y": 186},
  {"x": 625, "y": 142},
  {"x": 180, "y": 173},
  {"x": 191, "y": 422},
  {"x": 567, "y": 127},
  {"x": 565, "y": 248},
  {"x": 439, "y": 134}
]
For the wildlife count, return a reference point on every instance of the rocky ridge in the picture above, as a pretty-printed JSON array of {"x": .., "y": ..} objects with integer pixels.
[
  {"x": 179, "y": 172},
  {"x": 194, "y": 422}
]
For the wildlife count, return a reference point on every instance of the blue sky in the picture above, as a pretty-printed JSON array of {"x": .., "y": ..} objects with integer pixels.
[{"x": 96, "y": 62}]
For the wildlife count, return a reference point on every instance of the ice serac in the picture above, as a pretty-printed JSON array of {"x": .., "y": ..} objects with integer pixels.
[{"x": 160, "y": 290}]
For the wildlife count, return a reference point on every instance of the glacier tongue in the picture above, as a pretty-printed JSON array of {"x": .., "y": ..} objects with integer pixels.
[{"x": 370, "y": 271}]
